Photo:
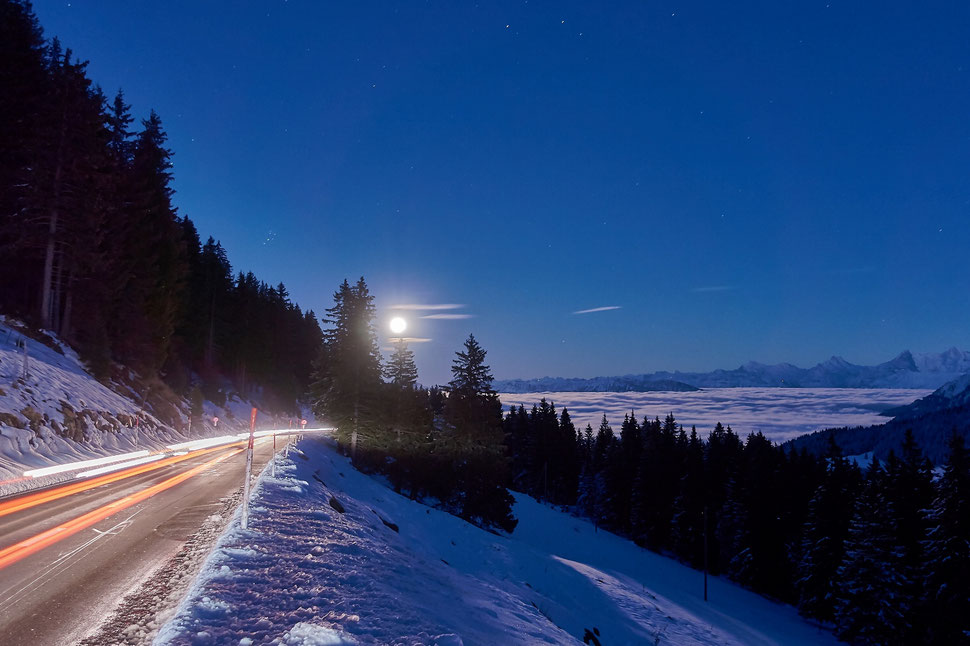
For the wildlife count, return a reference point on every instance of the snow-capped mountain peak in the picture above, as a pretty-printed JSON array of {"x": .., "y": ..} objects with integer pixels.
[
  {"x": 904, "y": 361},
  {"x": 905, "y": 370}
]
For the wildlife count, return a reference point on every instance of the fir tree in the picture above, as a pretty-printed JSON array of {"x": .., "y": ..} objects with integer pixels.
[
  {"x": 910, "y": 490},
  {"x": 25, "y": 84},
  {"x": 568, "y": 461},
  {"x": 687, "y": 532},
  {"x": 947, "y": 545},
  {"x": 868, "y": 585},
  {"x": 401, "y": 369},
  {"x": 474, "y": 414},
  {"x": 519, "y": 440},
  {"x": 404, "y": 402},
  {"x": 823, "y": 540},
  {"x": 152, "y": 254},
  {"x": 348, "y": 376},
  {"x": 630, "y": 447},
  {"x": 118, "y": 119}
]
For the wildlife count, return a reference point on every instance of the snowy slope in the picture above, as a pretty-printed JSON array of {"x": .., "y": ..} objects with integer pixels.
[
  {"x": 951, "y": 395},
  {"x": 922, "y": 371},
  {"x": 306, "y": 573},
  {"x": 61, "y": 413}
]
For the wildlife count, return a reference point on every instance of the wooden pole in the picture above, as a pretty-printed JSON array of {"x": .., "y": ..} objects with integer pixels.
[{"x": 249, "y": 469}]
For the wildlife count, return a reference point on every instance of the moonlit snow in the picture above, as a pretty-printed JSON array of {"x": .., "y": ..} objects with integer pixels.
[
  {"x": 779, "y": 413},
  {"x": 305, "y": 574}
]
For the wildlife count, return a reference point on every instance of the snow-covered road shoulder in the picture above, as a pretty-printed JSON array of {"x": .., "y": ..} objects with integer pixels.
[{"x": 334, "y": 557}]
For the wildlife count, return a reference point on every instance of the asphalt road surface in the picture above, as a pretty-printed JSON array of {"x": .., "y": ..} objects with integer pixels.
[{"x": 66, "y": 562}]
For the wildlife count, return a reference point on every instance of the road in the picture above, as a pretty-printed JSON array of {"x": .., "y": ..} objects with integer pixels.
[{"x": 68, "y": 557}]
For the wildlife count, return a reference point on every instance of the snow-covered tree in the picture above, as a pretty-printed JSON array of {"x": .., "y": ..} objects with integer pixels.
[
  {"x": 868, "y": 583},
  {"x": 947, "y": 547},
  {"x": 823, "y": 540}
]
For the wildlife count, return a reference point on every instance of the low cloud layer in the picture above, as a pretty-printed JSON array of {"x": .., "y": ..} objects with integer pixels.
[{"x": 779, "y": 413}]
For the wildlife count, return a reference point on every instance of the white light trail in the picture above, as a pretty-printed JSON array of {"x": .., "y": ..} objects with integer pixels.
[
  {"x": 83, "y": 464},
  {"x": 292, "y": 431},
  {"x": 192, "y": 445}
]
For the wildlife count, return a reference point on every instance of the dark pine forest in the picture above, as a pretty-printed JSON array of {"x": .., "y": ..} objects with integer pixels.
[
  {"x": 92, "y": 248},
  {"x": 882, "y": 555}
]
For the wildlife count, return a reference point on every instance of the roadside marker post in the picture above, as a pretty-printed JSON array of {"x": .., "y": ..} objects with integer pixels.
[
  {"x": 249, "y": 469},
  {"x": 274, "y": 455},
  {"x": 26, "y": 370}
]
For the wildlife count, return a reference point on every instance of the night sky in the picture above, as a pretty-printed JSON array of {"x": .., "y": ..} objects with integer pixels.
[{"x": 736, "y": 181}]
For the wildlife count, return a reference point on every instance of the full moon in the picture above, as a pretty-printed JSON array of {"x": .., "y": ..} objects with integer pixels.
[{"x": 398, "y": 325}]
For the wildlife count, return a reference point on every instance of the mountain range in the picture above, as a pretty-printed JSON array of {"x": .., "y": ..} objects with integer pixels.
[{"x": 906, "y": 370}]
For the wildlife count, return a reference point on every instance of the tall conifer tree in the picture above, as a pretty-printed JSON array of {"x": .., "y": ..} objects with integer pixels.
[
  {"x": 474, "y": 415},
  {"x": 348, "y": 377},
  {"x": 947, "y": 608}
]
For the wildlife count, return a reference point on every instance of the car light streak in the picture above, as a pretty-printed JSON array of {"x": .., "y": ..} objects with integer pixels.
[
  {"x": 36, "y": 543},
  {"x": 294, "y": 431},
  {"x": 31, "y": 500},
  {"x": 118, "y": 467}
]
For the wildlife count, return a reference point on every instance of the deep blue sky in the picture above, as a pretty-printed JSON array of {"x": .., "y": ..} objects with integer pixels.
[{"x": 745, "y": 180}]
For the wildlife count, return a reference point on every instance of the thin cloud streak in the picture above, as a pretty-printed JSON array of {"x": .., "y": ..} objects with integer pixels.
[
  {"x": 409, "y": 339},
  {"x": 714, "y": 288},
  {"x": 449, "y": 317},
  {"x": 605, "y": 308},
  {"x": 432, "y": 306}
]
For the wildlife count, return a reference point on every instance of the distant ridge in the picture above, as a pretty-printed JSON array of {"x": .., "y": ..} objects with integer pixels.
[
  {"x": 628, "y": 384},
  {"x": 906, "y": 370},
  {"x": 932, "y": 419}
]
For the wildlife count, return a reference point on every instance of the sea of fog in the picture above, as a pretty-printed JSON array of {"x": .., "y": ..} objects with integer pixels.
[{"x": 779, "y": 413}]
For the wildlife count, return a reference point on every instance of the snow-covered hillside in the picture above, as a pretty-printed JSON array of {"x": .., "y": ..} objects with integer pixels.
[
  {"x": 60, "y": 413},
  {"x": 333, "y": 556},
  {"x": 951, "y": 395},
  {"x": 921, "y": 371}
]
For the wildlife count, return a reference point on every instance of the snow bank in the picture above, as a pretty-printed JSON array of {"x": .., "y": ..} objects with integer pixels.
[{"x": 305, "y": 573}]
